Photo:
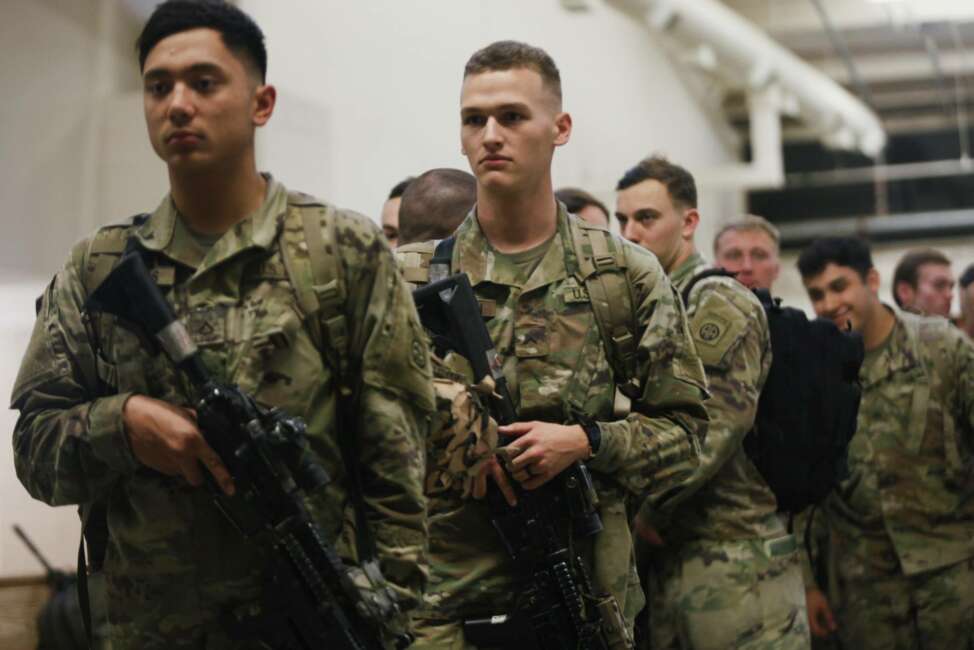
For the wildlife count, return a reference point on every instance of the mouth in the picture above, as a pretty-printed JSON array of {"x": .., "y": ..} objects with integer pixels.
[
  {"x": 495, "y": 162},
  {"x": 183, "y": 138}
]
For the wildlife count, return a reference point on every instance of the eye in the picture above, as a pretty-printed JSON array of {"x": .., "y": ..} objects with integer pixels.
[
  {"x": 157, "y": 88},
  {"x": 732, "y": 255},
  {"x": 204, "y": 84},
  {"x": 512, "y": 116},
  {"x": 759, "y": 255},
  {"x": 474, "y": 120}
]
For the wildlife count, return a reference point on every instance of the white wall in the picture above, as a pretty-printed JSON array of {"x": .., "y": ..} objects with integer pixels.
[
  {"x": 386, "y": 75},
  {"x": 368, "y": 94}
]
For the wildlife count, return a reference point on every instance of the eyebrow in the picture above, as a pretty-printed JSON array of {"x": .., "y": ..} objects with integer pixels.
[
  {"x": 502, "y": 107},
  {"x": 196, "y": 68}
]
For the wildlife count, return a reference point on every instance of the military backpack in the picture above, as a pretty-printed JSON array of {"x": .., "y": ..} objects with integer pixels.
[{"x": 808, "y": 407}]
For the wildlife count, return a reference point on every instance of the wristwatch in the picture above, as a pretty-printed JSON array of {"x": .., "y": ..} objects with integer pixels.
[{"x": 593, "y": 433}]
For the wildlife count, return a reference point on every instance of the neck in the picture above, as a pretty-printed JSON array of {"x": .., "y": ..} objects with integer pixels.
[
  {"x": 687, "y": 249},
  {"x": 518, "y": 222},
  {"x": 212, "y": 202},
  {"x": 880, "y": 325}
]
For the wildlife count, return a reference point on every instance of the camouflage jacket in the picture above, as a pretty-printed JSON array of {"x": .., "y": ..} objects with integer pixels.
[
  {"x": 727, "y": 499},
  {"x": 172, "y": 560},
  {"x": 908, "y": 502},
  {"x": 552, "y": 355}
]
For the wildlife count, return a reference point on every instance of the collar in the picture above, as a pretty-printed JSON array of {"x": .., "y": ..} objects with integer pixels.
[
  {"x": 690, "y": 268},
  {"x": 258, "y": 230},
  {"x": 899, "y": 354},
  {"x": 476, "y": 258}
]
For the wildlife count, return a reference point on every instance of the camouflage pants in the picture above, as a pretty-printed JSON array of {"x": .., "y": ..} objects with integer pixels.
[
  {"x": 746, "y": 595},
  {"x": 929, "y": 611}
]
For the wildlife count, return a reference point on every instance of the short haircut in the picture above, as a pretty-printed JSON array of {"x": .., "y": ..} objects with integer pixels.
[
  {"x": 842, "y": 251},
  {"x": 575, "y": 199},
  {"x": 908, "y": 268},
  {"x": 510, "y": 55},
  {"x": 678, "y": 181},
  {"x": 966, "y": 277},
  {"x": 239, "y": 32},
  {"x": 399, "y": 188},
  {"x": 434, "y": 204},
  {"x": 749, "y": 223}
]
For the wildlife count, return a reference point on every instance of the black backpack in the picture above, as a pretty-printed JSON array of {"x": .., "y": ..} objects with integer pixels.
[{"x": 809, "y": 404}]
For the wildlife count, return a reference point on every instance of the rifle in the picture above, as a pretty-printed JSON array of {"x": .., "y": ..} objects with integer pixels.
[
  {"x": 312, "y": 600},
  {"x": 558, "y": 607}
]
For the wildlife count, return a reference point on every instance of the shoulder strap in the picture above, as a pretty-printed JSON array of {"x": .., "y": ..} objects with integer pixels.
[
  {"x": 442, "y": 262},
  {"x": 101, "y": 255},
  {"x": 703, "y": 275},
  {"x": 318, "y": 282},
  {"x": 601, "y": 266}
]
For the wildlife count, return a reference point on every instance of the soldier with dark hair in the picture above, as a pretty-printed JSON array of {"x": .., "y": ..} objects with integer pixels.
[
  {"x": 390, "y": 211},
  {"x": 434, "y": 204},
  {"x": 106, "y": 420},
  {"x": 900, "y": 526},
  {"x": 584, "y": 206},
  {"x": 965, "y": 286},
  {"x": 923, "y": 283},
  {"x": 724, "y": 572}
]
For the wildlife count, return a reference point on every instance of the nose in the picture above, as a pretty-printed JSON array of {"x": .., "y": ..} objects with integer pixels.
[
  {"x": 629, "y": 231},
  {"x": 181, "y": 106},
  {"x": 746, "y": 264},
  {"x": 830, "y": 303},
  {"x": 492, "y": 135}
]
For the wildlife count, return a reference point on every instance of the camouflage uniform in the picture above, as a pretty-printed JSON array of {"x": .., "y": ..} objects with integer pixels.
[
  {"x": 173, "y": 562},
  {"x": 553, "y": 357},
  {"x": 900, "y": 528},
  {"x": 729, "y": 575}
]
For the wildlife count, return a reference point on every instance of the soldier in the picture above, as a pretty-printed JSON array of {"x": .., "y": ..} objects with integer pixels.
[
  {"x": 749, "y": 247},
  {"x": 901, "y": 525},
  {"x": 523, "y": 255},
  {"x": 725, "y": 573},
  {"x": 434, "y": 204},
  {"x": 390, "y": 211},
  {"x": 584, "y": 206},
  {"x": 105, "y": 419},
  {"x": 923, "y": 283},
  {"x": 965, "y": 290}
]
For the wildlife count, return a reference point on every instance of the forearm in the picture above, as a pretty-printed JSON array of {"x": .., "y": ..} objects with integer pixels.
[
  {"x": 71, "y": 454},
  {"x": 651, "y": 457},
  {"x": 393, "y": 461}
]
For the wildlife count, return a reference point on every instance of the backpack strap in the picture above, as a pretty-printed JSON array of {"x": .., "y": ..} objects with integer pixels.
[
  {"x": 602, "y": 268},
  {"x": 104, "y": 250},
  {"x": 441, "y": 265},
  {"x": 319, "y": 284},
  {"x": 712, "y": 273}
]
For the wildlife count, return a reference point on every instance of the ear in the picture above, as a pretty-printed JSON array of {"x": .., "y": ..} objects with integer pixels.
[
  {"x": 265, "y": 98},
  {"x": 872, "y": 280},
  {"x": 904, "y": 293},
  {"x": 563, "y": 128},
  {"x": 691, "y": 219}
]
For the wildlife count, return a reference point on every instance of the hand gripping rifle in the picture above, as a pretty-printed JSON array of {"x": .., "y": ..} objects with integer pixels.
[
  {"x": 312, "y": 600},
  {"x": 558, "y": 607}
]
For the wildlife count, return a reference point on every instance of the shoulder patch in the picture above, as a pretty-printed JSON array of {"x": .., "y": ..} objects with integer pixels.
[{"x": 717, "y": 321}]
